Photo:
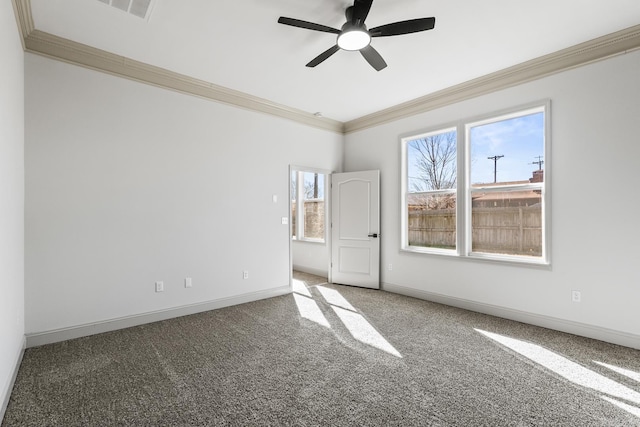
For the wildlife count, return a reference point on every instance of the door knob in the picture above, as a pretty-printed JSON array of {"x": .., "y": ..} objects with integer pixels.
[{"x": 374, "y": 235}]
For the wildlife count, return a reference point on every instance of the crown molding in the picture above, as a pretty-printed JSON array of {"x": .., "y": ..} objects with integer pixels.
[
  {"x": 52, "y": 46},
  {"x": 42, "y": 43},
  {"x": 594, "y": 50},
  {"x": 22, "y": 10}
]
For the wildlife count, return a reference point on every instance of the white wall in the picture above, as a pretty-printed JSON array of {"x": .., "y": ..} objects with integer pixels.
[
  {"x": 128, "y": 184},
  {"x": 311, "y": 257},
  {"x": 11, "y": 200},
  {"x": 595, "y": 208}
]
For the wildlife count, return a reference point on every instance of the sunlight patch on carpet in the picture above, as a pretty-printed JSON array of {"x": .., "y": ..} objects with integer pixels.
[
  {"x": 335, "y": 298},
  {"x": 362, "y": 331},
  {"x": 569, "y": 370},
  {"x": 630, "y": 409},
  {"x": 626, "y": 372},
  {"x": 309, "y": 310},
  {"x": 300, "y": 287}
]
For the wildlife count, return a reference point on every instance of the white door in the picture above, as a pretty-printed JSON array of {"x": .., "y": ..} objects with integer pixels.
[{"x": 355, "y": 228}]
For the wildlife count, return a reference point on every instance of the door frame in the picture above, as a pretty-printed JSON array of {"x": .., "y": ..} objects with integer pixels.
[
  {"x": 327, "y": 218},
  {"x": 328, "y": 195}
]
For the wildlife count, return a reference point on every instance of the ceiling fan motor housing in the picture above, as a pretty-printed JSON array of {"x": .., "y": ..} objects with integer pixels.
[{"x": 353, "y": 37}]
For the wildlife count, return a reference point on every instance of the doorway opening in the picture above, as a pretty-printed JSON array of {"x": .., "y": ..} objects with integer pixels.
[{"x": 309, "y": 218}]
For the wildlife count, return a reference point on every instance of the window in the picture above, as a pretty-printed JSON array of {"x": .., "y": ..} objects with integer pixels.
[
  {"x": 478, "y": 189},
  {"x": 308, "y": 193},
  {"x": 431, "y": 189}
]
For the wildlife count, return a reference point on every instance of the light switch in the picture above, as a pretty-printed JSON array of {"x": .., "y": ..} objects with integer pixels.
[{"x": 274, "y": 198}]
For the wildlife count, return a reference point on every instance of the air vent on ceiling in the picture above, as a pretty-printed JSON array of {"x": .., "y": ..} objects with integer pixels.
[{"x": 140, "y": 8}]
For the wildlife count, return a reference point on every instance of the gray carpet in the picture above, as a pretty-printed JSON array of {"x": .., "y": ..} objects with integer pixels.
[{"x": 308, "y": 361}]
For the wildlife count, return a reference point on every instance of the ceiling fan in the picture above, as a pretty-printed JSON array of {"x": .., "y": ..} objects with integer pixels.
[{"x": 355, "y": 36}]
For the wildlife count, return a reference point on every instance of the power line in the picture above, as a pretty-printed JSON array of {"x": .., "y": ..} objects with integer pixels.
[
  {"x": 495, "y": 166},
  {"x": 540, "y": 162}
]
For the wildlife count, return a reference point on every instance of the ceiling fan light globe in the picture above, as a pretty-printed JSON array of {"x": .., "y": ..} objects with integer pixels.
[{"x": 355, "y": 39}]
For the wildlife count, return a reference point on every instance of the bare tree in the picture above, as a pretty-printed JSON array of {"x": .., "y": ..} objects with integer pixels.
[
  {"x": 435, "y": 161},
  {"x": 294, "y": 185},
  {"x": 311, "y": 190}
]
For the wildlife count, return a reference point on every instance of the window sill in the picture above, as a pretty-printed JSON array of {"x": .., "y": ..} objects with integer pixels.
[
  {"x": 312, "y": 241},
  {"x": 513, "y": 260}
]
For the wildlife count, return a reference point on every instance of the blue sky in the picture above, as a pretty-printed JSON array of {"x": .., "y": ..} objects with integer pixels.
[
  {"x": 309, "y": 180},
  {"x": 520, "y": 140}
]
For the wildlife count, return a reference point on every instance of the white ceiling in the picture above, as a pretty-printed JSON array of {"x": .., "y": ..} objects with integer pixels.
[{"x": 240, "y": 45}]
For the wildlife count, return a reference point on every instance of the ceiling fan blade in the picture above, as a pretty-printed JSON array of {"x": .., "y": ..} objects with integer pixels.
[
  {"x": 323, "y": 56},
  {"x": 360, "y": 11},
  {"x": 373, "y": 58},
  {"x": 403, "y": 27},
  {"x": 307, "y": 25}
]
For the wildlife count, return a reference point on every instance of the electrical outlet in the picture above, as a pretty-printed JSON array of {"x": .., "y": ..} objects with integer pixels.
[
  {"x": 576, "y": 296},
  {"x": 245, "y": 274},
  {"x": 390, "y": 267},
  {"x": 159, "y": 286},
  {"x": 188, "y": 283}
]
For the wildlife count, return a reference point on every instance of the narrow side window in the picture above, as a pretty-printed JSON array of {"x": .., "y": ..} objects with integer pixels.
[
  {"x": 431, "y": 190},
  {"x": 308, "y": 207}
]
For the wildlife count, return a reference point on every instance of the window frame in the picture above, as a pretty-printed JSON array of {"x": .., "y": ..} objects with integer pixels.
[
  {"x": 405, "y": 190},
  {"x": 299, "y": 197},
  {"x": 464, "y": 190}
]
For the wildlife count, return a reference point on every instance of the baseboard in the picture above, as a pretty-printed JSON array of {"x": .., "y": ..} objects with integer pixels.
[
  {"x": 562, "y": 325},
  {"x": 53, "y": 336},
  {"x": 6, "y": 394},
  {"x": 310, "y": 270}
]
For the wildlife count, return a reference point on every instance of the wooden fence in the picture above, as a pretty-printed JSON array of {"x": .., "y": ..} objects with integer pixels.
[
  {"x": 505, "y": 230},
  {"x": 313, "y": 218},
  {"x": 433, "y": 228}
]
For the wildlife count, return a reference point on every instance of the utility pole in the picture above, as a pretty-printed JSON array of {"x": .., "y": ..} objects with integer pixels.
[
  {"x": 539, "y": 162},
  {"x": 495, "y": 166},
  {"x": 315, "y": 185}
]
